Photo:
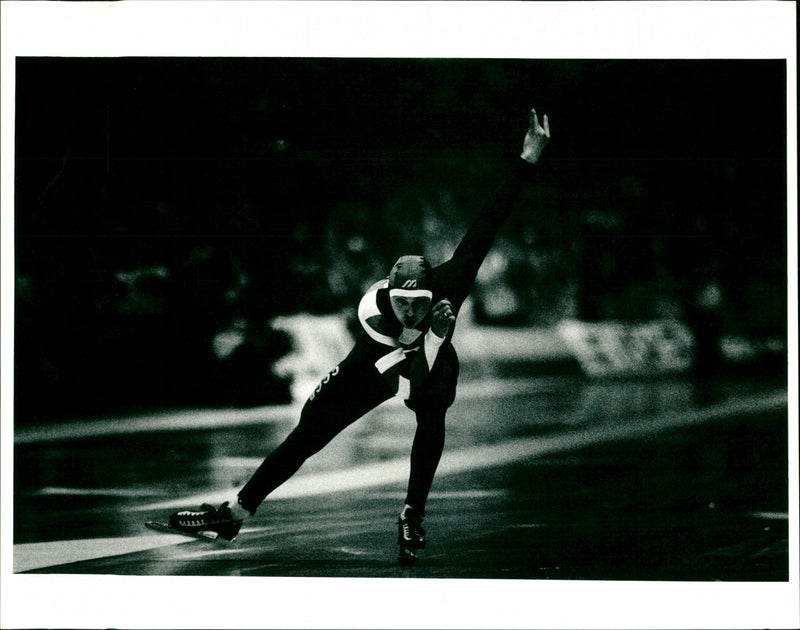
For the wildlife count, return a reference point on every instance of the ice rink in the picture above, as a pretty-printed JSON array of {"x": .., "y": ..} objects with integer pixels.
[{"x": 542, "y": 478}]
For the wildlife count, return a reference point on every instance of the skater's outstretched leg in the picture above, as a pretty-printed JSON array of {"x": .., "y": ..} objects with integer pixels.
[
  {"x": 348, "y": 392},
  {"x": 308, "y": 438}
]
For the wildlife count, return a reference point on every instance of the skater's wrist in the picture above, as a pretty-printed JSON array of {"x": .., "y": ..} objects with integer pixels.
[
  {"x": 433, "y": 339},
  {"x": 431, "y": 347}
]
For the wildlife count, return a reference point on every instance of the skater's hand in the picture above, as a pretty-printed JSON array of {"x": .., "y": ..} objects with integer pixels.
[
  {"x": 536, "y": 139},
  {"x": 442, "y": 318}
]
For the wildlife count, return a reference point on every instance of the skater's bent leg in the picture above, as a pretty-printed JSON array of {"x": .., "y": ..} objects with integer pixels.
[
  {"x": 426, "y": 451},
  {"x": 430, "y": 402}
]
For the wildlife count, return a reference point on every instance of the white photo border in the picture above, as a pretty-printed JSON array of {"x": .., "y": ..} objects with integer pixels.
[{"x": 555, "y": 30}]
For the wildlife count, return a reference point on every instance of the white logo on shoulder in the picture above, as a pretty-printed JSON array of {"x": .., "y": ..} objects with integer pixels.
[{"x": 409, "y": 284}]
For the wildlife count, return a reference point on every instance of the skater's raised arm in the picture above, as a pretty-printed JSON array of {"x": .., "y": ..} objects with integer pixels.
[{"x": 461, "y": 269}]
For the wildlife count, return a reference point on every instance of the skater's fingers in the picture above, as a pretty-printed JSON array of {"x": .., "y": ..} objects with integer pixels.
[
  {"x": 444, "y": 312},
  {"x": 536, "y": 128},
  {"x": 445, "y": 316},
  {"x": 534, "y": 120}
]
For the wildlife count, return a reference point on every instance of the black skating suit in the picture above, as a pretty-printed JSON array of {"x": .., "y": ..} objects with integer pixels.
[{"x": 388, "y": 360}]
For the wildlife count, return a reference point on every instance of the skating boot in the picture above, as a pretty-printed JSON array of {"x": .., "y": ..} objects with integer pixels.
[
  {"x": 207, "y": 519},
  {"x": 411, "y": 536}
]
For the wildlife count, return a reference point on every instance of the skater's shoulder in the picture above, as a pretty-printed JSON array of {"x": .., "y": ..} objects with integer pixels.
[
  {"x": 369, "y": 306},
  {"x": 373, "y": 314}
]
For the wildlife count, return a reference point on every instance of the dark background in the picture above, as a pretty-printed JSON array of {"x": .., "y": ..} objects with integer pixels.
[{"x": 163, "y": 201}]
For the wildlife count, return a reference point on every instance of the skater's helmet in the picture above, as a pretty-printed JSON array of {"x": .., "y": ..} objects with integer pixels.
[{"x": 411, "y": 277}]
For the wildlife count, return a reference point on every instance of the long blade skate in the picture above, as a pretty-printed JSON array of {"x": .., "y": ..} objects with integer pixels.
[
  {"x": 407, "y": 557},
  {"x": 164, "y": 528}
]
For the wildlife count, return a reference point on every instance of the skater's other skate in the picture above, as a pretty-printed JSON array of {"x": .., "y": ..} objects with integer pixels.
[{"x": 411, "y": 535}]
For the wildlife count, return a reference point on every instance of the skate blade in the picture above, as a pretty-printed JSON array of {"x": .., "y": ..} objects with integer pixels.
[
  {"x": 208, "y": 535},
  {"x": 407, "y": 557},
  {"x": 160, "y": 526}
]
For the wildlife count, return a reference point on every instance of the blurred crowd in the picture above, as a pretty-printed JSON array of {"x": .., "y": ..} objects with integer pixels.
[{"x": 152, "y": 261}]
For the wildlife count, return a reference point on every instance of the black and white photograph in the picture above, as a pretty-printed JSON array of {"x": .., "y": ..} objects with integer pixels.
[{"x": 286, "y": 324}]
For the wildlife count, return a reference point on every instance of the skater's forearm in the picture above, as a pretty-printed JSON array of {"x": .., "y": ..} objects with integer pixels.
[
  {"x": 460, "y": 271},
  {"x": 431, "y": 346},
  {"x": 423, "y": 361},
  {"x": 474, "y": 246}
]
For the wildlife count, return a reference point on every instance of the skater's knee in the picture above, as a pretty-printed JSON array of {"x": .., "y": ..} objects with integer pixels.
[
  {"x": 308, "y": 439},
  {"x": 438, "y": 392},
  {"x": 432, "y": 402},
  {"x": 312, "y": 432},
  {"x": 313, "y": 415},
  {"x": 306, "y": 416},
  {"x": 431, "y": 421}
]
